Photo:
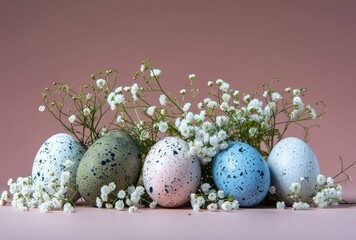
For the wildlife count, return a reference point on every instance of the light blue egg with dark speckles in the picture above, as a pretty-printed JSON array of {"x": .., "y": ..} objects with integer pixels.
[
  {"x": 115, "y": 157},
  {"x": 241, "y": 171},
  {"x": 50, "y": 159}
]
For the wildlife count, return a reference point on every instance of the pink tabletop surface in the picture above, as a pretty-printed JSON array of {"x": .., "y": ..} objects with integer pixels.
[{"x": 255, "y": 223}]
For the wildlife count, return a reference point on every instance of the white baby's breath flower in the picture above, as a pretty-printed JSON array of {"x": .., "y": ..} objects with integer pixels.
[
  {"x": 280, "y": 205},
  {"x": 86, "y": 111},
  {"x": 247, "y": 98},
  {"x": 153, "y": 204},
  {"x": 288, "y": 90},
  {"x": 296, "y": 92},
  {"x": 109, "y": 206},
  {"x": 68, "y": 208},
  {"x": 155, "y": 73},
  {"x": 183, "y": 92},
  {"x": 226, "y": 206},
  {"x": 200, "y": 201},
  {"x": 235, "y": 204},
  {"x": 132, "y": 209},
  {"x": 226, "y": 97},
  {"x": 134, "y": 91},
  {"x": 65, "y": 177},
  {"x": 295, "y": 188},
  {"x": 151, "y": 110},
  {"x": 186, "y": 107},
  {"x": 44, "y": 207},
  {"x": 41, "y": 108},
  {"x": 88, "y": 96},
  {"x": 72, "y": 118},
  {"x": 196, "y": 208},
  {"x": 265, "y": 94},
  {"x": 112, "y": 186},
  {"x": 300, "y": 206},
  {"x": 224, "y": 87},
  {"x": 192, "y": 77},
  {"x": 221, "y": 194},
  {"x": 212, "y": 196},
  {"x": 120, "y": 119},
  {"x": 10, "y": 181},
  {"x": 210, "y": 84},
  {"x": 142, "y": 68},
  {"x": 298, "y": 103},
  {"x": 272, "y": 190},
  {"x": 162, "y": 126},
  {"x": 121, "y": 194},
  {"x": 163, "y": 100},
  {"x": 224, "y": 106},
  {"x": 330, "y": 181},
  {"x": 321, "y": 179},
  {"x": 119, "y": 205},
  {"x": 294, "y": 114},
  {"x": 100, "y": 83},
  {"x": 276, "y": 97},
  {"x": 205, "y": 187},
  {"x": 68, "y": 164},
  {"x": 219, "y": 82},
  {"x": 212, "y": 207}
]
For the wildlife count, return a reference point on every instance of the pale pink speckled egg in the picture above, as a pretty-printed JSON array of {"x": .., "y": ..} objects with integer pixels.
[{"x": 170, "y": 173}]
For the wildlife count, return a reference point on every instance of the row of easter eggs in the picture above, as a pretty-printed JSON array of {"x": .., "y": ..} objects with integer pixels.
[{"x": 170, "y": 174}]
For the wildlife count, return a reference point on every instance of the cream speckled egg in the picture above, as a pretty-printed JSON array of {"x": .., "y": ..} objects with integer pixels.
[
  {"x": 51, "y": 157},
  {"x": 115, "y": 157},
  {"x": 170, "y": 173},
  {"x": 289, "y": 160}
]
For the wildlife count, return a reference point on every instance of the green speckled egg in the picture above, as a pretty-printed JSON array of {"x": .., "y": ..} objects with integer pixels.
[{"x": 115, "y": 157}]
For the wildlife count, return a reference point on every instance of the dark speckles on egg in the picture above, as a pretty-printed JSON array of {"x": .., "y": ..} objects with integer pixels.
[
  {"x": 251, "y": 180},
  {"x": 115, "y": 158}
]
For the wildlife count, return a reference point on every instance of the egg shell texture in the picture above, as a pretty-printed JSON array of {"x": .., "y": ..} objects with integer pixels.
[
  {"x": 115, "y": 157},
  {"x": 241, "y": 171},
  {"x": 51, "y": 157},
  {"x": 170, "y": 173},
  {"x": 290, "y": 159}
]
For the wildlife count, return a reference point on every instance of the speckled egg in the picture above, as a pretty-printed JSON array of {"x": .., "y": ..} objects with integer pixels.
[
  {"x": 289, "y": 160},
  {"x": 115, "y": 157},
  {"x": 170, "y": 173},
  {"x": 51, "y": 157},
  {"x": 241, "y": 171}
]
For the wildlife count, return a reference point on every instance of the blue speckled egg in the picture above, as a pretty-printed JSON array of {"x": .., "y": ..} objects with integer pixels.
[
  {"x": 241, "y": 171},
  {"x": 290, "y": 159},
  {"x": 170, "y": 173},
  {"x": 50, "y": 159},
  {"x": 115, "y": 157}
]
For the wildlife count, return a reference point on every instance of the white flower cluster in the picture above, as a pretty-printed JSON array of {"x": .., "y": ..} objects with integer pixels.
[
  {"x": 26, "y": 194},
  {"x": 205, "y": 139},
  {"x": 327, "y": 194},
  {"x": 212, "y": 199},
  {"x": 133, "y": 197},
  {"x": 300, "y": 206}
]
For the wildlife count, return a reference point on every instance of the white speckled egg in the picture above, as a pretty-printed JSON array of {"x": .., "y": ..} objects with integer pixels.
[
  {"x": 289, "y": 160},
  {"x": 170, "y": 173},
  {"x": 51, "y": 157}
]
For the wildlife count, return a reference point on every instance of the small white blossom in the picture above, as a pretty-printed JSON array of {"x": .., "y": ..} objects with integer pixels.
[
  {"x": 151, "y": 110},
  {"x": 183, "y": 92},
  {"x": 330, "y": 181},
  {"x": 192, "y": 77},
  {"x": 64, "y": 179},
  {"x": 44, "y": 207},
  {"x": 226, "y": 97},
  {"x": 142, "y": 68},
  {"x": 205, "y": 187},
  {"x": 99, "y": 202},
  {"x": 196, "y": 208},
  {"x": 132, "y": 209},
  {"x": 221, "y": 194},
  {"x": 68, "y": 164},
  {"x": 295, "y": 188},
  {"x": 300, "y": 206},
  {"x": 119, "y": 205},
  {"x": 41, "y": 108},
  {"x": 210, "y": 84},
  {"x": 163, "y": 126},
  {"x": 121, "y": 194},
  {"x": 72, "y": 118},
  {"x": 276, "y": 97},
  {"x": 235, "y": 204},
  {"x": 10, "y": 181},
  {"x": 281, "y": 205},
  {"x": 86, "y": 111},
  {"x": 272, "y": 190},
  {"x": 288, "y": 90},
  {"x": 120, "y": 119},
  {"x": 186, "y": 107},
  {"x": 212, "y": 196},
  {"x": 68, "y": 208},
  {"x": 100, "y": 83},
  {"x": 212, "y": 207},
  {"x": 247, "y": 98},
  {"x": 224, "y": 87},
  {"x": 298, "y": 103},
  {"x": 163, "y": 100},
  {"x": 131, "y": 189},
  {"x": 153, "y": 204},
  {"x": 155, "y": 73},
  {"x": 88, "y": 96},
  {"x": 296, "y": 92},
  {"x": 226, "y": 206},
  {"x": 108, "y": 205},
  {"x": 134, "y": 89}
]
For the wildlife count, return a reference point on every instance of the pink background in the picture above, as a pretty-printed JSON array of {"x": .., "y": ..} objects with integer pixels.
[{"x": 304, "y": 43}]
